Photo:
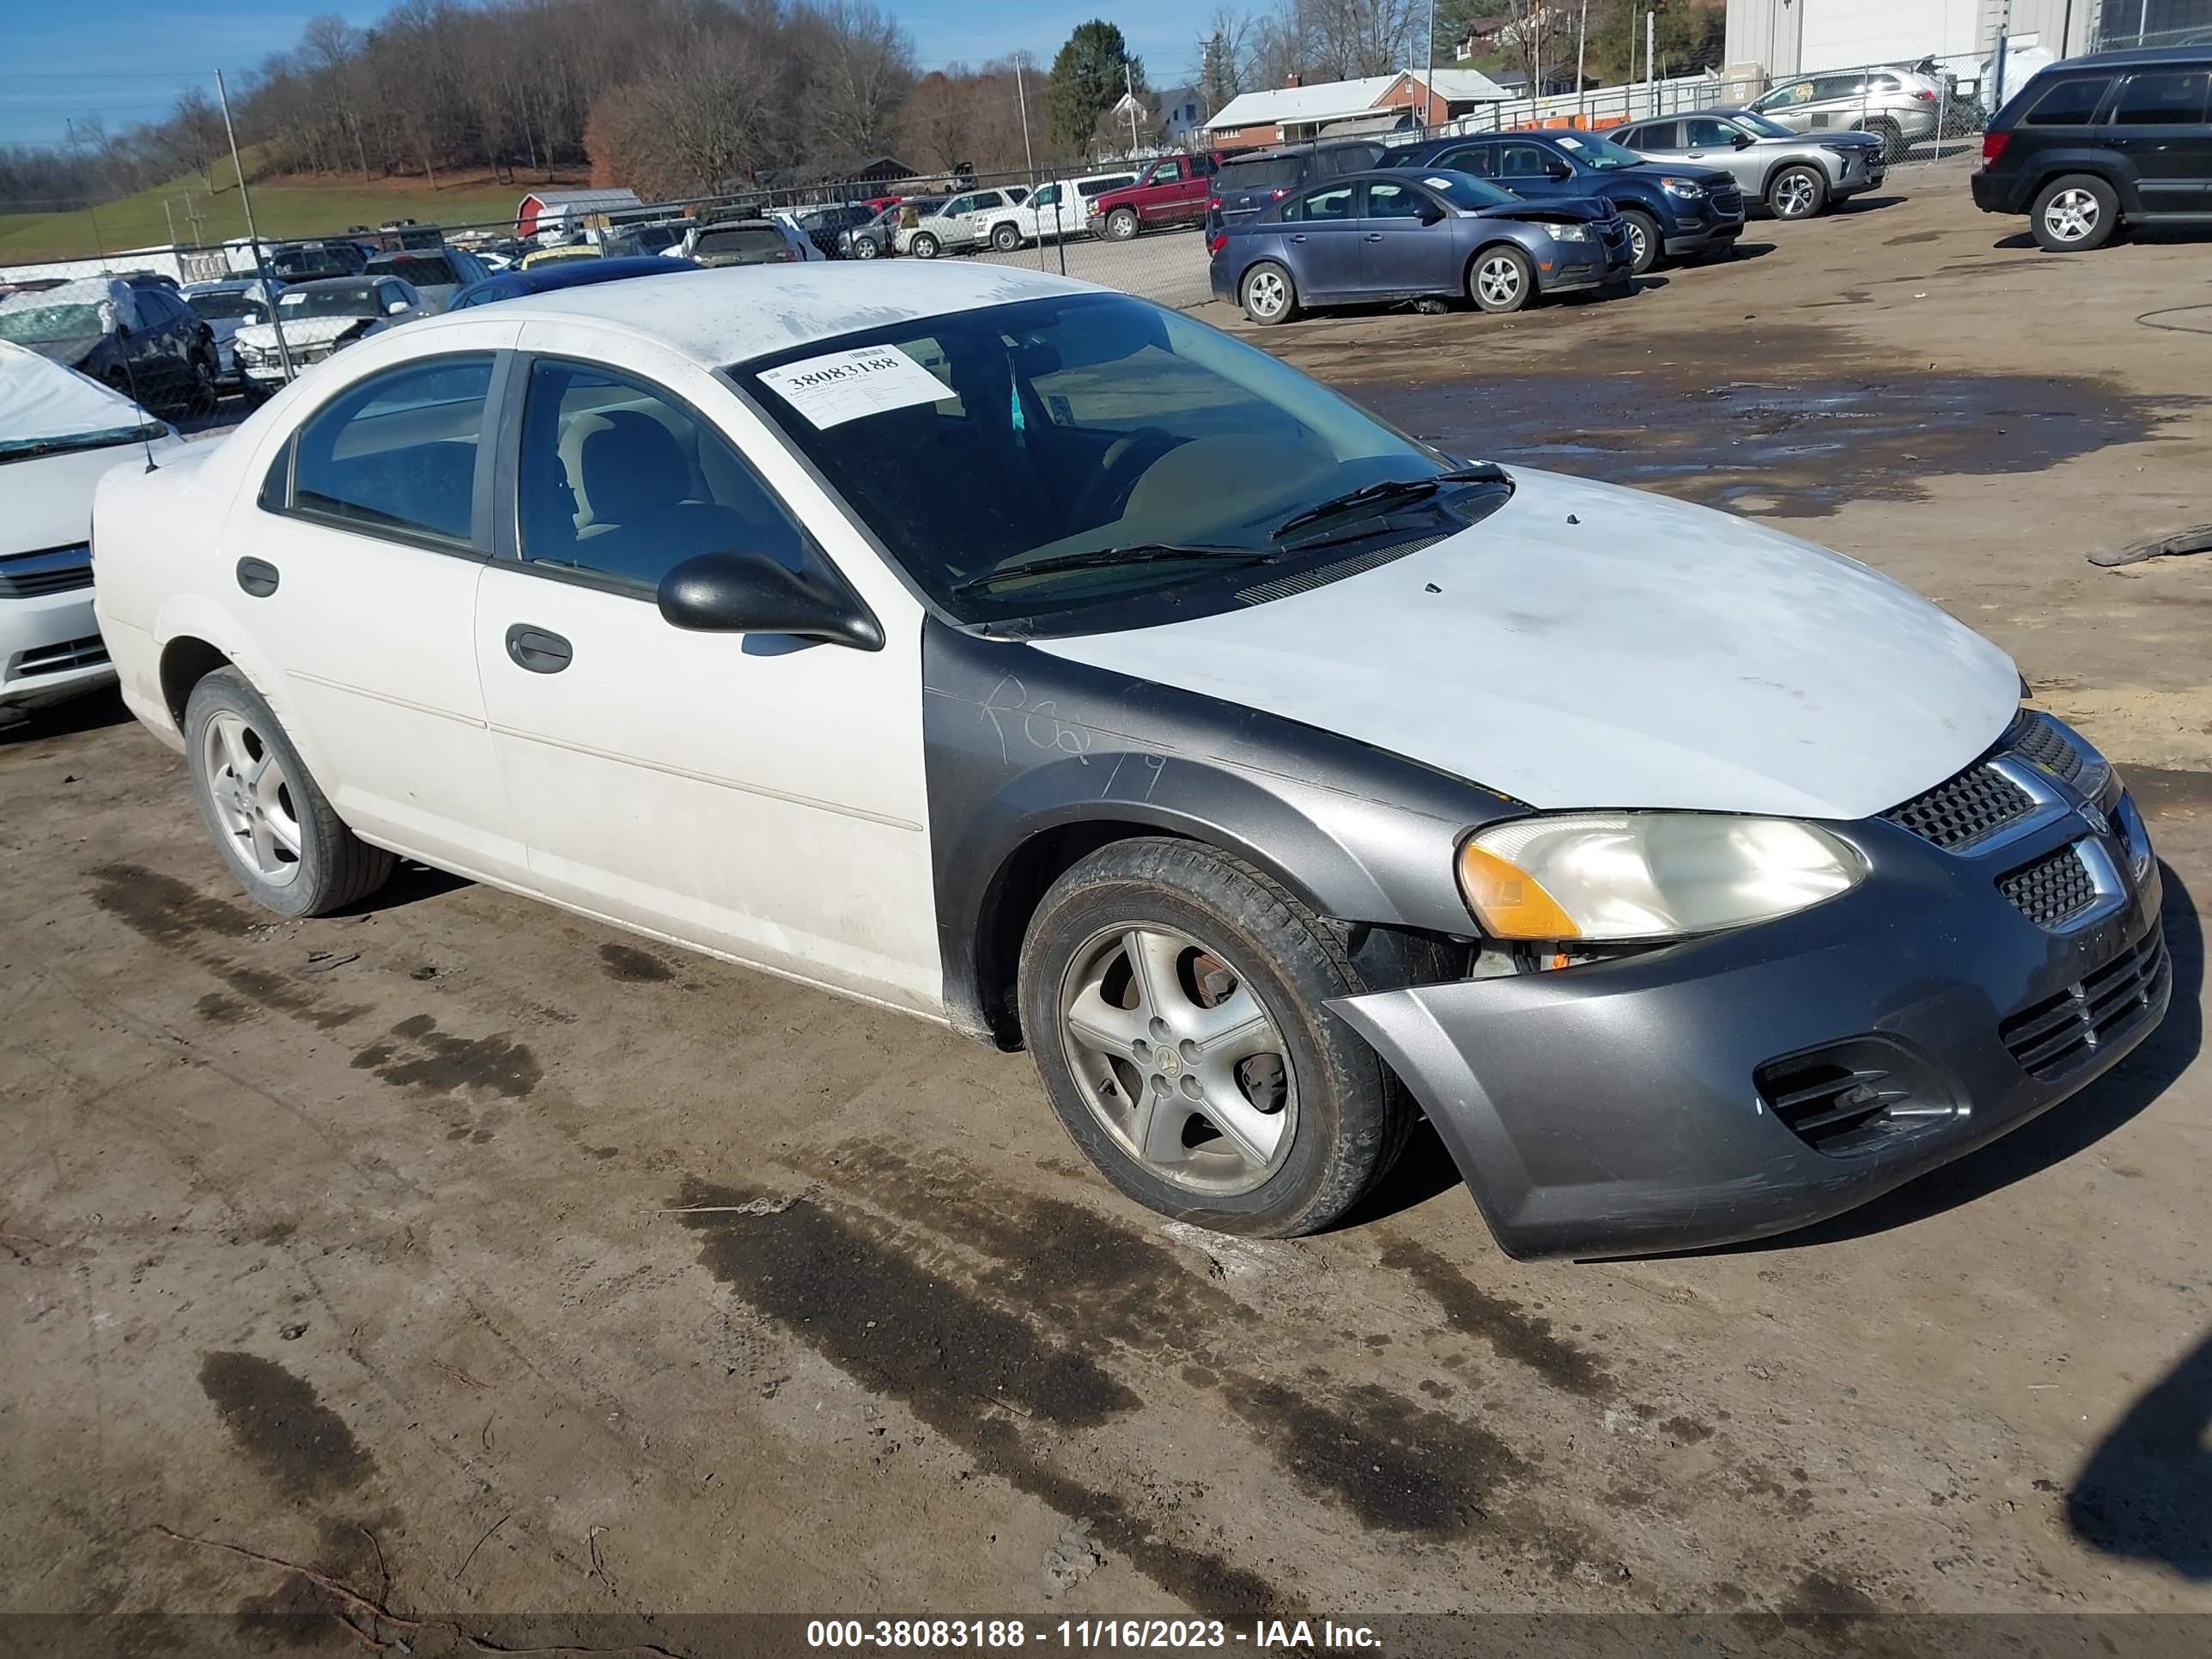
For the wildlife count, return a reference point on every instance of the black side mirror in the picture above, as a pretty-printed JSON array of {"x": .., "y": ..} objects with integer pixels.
[
  {"x": 1431, "y": 213},
  {"x": 751, "y": 593},
  {"x": 1745, "y": 141}
]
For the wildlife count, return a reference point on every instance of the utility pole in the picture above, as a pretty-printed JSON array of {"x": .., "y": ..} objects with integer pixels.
[
  {"x": 1021, "y": 97},
  {"x": 253, "y": 236},
  {"x": 1581, "y": 49},
  {"x": 172, "y": 219},
  {"x": 91, "y": 207},
  {"x": 1651, "y": 59}
]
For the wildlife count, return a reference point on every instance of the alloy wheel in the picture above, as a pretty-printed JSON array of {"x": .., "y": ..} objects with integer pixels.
[
  {"x": 1793, "y": 197},
  {"x": 1638, "y": 244},
  {"x": 252, "y": 798},
  {"x": 1178, "y": 1060},
  {"x": 1267, "y": 294},
  {"x": 2072, "y": 214},
  {"x": 1498, "y": 280}
]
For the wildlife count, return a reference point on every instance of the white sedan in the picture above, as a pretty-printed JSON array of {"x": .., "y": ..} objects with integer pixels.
[{"x": 1272, "y": 777}]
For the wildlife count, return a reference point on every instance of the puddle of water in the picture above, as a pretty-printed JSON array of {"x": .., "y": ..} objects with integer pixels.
[{"x": 1796, "y": 450}]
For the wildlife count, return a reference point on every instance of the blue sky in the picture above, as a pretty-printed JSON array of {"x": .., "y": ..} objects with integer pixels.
[{"x": 125, "y": 59}]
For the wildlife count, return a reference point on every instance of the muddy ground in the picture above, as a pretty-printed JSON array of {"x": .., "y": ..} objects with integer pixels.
[{"x": 482, "y": 1260}]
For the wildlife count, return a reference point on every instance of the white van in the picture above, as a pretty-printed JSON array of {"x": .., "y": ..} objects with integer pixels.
[{"x": 1056, "y": 210}]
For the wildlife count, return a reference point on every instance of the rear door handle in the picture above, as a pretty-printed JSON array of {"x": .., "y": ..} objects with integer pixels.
[
  {"x": 258, "y": 577},
  {"x": 1374, "y": 235},
  {"x": 1299, "y": 238},
  {"x": 538, "y": 650}
]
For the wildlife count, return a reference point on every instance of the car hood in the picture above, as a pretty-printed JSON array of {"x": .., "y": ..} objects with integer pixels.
[
  {"x": 1573, "y": 209},
  {"x": 306, "y": 331},
  {"x": 45, "y": 500},
  {"x": 1586, "y": 646}
]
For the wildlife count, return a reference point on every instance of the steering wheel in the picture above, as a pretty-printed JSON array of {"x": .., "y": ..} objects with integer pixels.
[{"x": 1126, "y": 460}]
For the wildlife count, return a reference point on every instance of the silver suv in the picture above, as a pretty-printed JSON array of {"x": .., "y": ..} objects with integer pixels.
[
  {"x": 1900, "y": 106},
  {"x": 1794, "y": 175}
]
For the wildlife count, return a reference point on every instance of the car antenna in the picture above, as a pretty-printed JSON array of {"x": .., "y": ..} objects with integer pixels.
[{"x": 130, "y": 378}]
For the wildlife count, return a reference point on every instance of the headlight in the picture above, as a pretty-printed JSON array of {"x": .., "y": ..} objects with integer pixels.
[
  {"x": 1647, "y": 875},
  {"x": 1688, "y": 189},
  {"x": 1570, "y": 232}
]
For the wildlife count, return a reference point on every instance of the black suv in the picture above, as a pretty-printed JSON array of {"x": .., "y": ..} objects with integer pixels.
[
  {"x": 1252, "y": 182},
  {"x": 2087, "y": 145}
]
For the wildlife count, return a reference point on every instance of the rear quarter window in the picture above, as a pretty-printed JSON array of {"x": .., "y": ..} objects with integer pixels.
[{"x": 2069, "y": 103}]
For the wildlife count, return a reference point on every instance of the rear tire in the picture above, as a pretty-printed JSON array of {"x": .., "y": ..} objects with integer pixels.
[
  {"x": 1268, "y": 294},
  {"x": 923, "y": 246},
  {"x": 864, "y": 247},
  {"x": 269, "y": 818},
  {"x": 1501, "y": 279},
  {"x": 1797, "y": 192},
  {"x": 1644, "y": 238},
  {"x": 1163, "y": 981},
  {"x": 1891, "y": 137},
  {"x": 2074, "y": 213},
  {"x": 1006, "y": 238}
]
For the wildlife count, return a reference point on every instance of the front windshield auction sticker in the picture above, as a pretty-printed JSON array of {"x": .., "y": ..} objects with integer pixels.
[{"x": 847, "y": 386}]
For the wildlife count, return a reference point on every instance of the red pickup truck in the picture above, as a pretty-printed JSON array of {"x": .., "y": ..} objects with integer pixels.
[{"x": 1171, "y": 191}]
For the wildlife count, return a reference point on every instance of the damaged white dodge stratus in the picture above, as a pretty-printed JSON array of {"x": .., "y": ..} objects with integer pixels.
[{"x": 1034, "y": 660}]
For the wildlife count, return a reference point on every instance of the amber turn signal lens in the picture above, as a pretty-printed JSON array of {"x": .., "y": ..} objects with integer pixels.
[{"x": 1510, "y": 903}]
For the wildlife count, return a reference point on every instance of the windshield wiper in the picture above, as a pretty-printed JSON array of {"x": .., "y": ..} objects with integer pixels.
[
  {"x": 1108, "y": 557},
  {"x": 1393, "y": 489}
]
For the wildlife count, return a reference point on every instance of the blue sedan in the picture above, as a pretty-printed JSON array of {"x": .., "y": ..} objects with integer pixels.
[
  {"x": 566, "y": 273},
  {"x": 1402, "y": 234}
]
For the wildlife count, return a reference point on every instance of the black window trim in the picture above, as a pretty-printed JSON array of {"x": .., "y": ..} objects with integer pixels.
[
  {"x": 504, "y": 485},
  {"x": 2108, "y": 112},
  {"x": 477, "y": 548}
]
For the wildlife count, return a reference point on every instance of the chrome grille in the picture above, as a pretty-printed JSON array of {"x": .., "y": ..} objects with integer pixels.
[
  {"x": 2043, "y": 742},
  {"x": 2051, "y": 1037},
  {"x": 2053, "y": 889},
  {"x": 54, "y": 570}
]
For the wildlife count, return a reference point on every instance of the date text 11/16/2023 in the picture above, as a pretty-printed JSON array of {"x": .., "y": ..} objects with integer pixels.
[{"x": 1267, "y": 1635}]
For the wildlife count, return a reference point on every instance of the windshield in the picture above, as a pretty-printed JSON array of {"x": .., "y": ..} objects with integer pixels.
[
  {"x": 232, "y": 308},
  {"x": 50, "y": 324},
  {"x": 301, "y": 263},
  {"x": 1104, "y": 426},
  {"x": 353, "y": 299},
  {"x": 422, "y": 273},
  {"x": 1593, "y": 151},
  {"x": 1759, "y": 124},
  {"x": 1464, "y": 190}
]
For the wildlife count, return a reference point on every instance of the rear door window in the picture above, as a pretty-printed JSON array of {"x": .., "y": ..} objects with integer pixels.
[
  {"x": 2071, "y": 103},
  {"x": 1322, "y": 205},
  {"x": 2170, "y": 98},
  {"x": 1660, "y": 135},
  {"x": 396, "y": 454}
]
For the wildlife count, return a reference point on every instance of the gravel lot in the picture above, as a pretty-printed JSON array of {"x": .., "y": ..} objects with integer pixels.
[{"x": 485, "y": 1260}]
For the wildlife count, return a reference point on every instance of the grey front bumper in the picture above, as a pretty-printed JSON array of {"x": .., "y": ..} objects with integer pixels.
[{"x": 1612, "y": 1108}]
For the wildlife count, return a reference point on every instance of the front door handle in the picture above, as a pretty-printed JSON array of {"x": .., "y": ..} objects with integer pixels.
[
  {"x": 258, "y": 577},
  {"x": 1299, "y": 238},
  {"x": 1374, "y": 235},
  {"x": 538, "y": 650}
]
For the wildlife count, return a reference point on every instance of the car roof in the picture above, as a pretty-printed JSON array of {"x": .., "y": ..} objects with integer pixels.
[
  {"x": 2137, "y": 57},
  {"x": 735, "y": 315}
]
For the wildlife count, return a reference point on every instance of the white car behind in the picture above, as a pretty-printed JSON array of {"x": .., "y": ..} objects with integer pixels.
[
  {"x": 58, "y": 432},
  {"x": 1057, "y": 210}
]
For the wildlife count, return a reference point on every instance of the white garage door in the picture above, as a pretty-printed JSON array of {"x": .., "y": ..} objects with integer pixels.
[{"x": 1845, "y": 33}]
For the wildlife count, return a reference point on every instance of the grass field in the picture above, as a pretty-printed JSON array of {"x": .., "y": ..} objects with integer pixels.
[{"x": 282, "y": 207}]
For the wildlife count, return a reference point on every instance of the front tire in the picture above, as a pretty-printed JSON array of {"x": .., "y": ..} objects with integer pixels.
[
  {"x": 1122, "y": 224},
  {"x": 270, "y": 819},
  {"x": 1501, "y": 279},
  {"x": 923, "y": 246},
  {"x": 864, "y": 247},
  {"x": 1006, "y": 238},
  {"x": 1643, "y": 240},
  {"x": 1797, "y": 194},
  {"x": 1268, "y": 295},
  {"x": 2074, "y": 213},
  {"x": 1172, "y": 997}
]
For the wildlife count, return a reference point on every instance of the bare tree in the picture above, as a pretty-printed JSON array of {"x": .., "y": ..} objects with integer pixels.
[{"x": 863, "y": 68}]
